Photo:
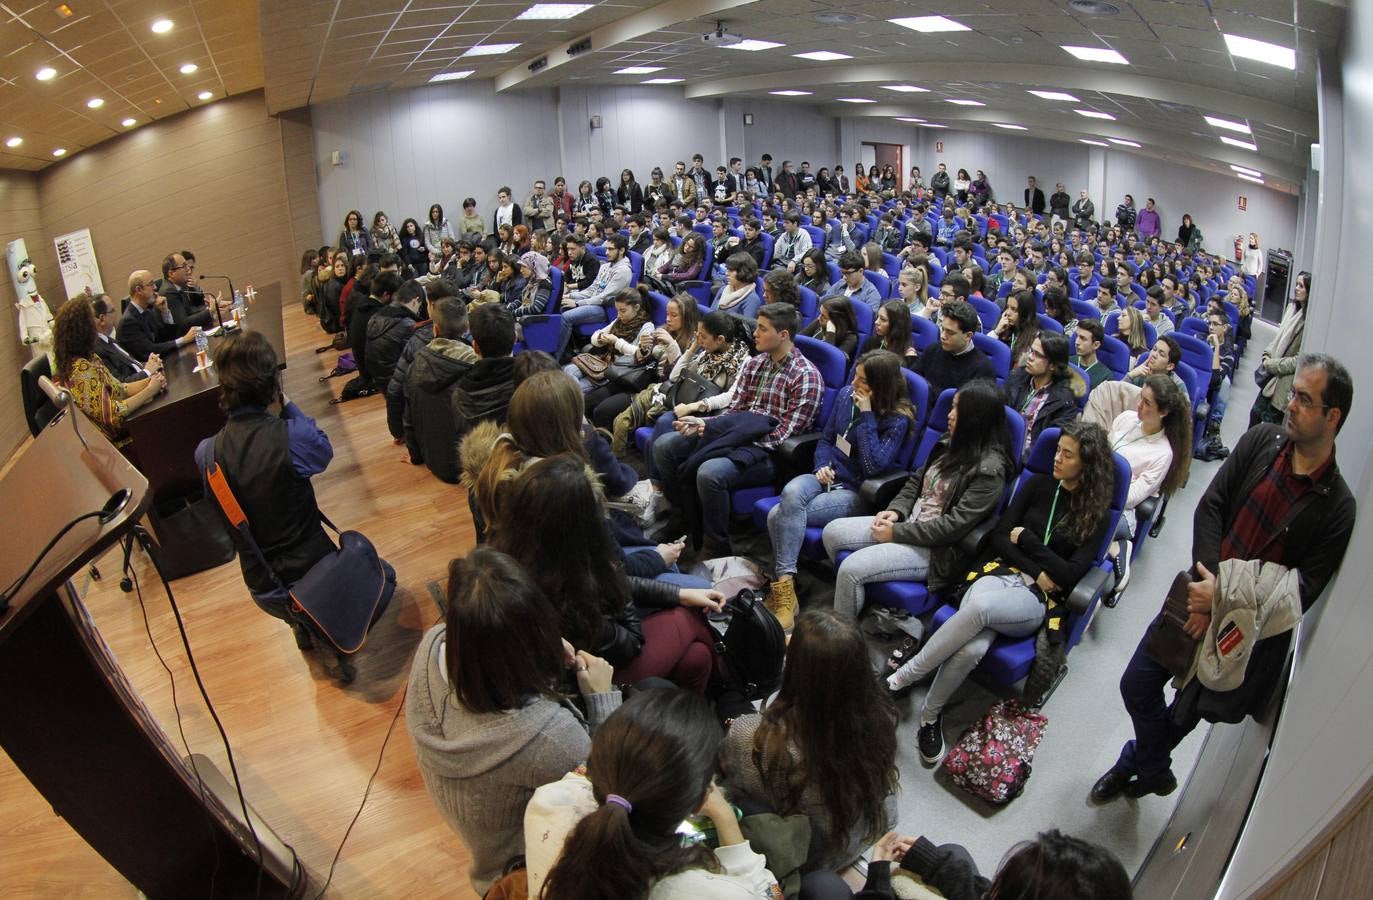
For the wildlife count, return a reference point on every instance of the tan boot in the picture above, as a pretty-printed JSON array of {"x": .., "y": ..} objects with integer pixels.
[{"x": 781, "y": 600}]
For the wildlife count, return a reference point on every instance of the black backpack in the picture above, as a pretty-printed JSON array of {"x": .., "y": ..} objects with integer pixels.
[{"x": 751, "y": 645}]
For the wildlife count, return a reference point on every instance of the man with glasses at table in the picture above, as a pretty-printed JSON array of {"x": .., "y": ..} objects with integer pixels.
[
  {"x": 146, "y": 326},
  {"x": 186, "y": 312},
  {"x": 1278, "y": 501}
]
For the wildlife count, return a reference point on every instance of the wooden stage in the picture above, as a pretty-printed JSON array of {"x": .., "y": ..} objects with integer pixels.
[{"x": 304, "y": 745}]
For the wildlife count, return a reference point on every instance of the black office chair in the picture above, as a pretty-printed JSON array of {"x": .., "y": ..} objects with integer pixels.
[{"x": 38, "y": 408}]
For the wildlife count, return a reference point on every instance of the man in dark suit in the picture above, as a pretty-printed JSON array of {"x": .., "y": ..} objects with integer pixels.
[
  {"x": 735, "y": 178},
  {"x": 146, "y": 326},
  {"x": 187, "y": 309},
  {"x": 116, "y": 358},
  {"x": 1034, "y": 197}
]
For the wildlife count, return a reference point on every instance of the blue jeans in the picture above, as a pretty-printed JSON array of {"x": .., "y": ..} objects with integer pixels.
[
  {"x": 995, "y": 604},
  {"x": 714, "y": 481},
  {"x": 869, "y": 562},
  {"x": 1150, "y": 755},
  {"x": 805, "y": 503},
  {"x": 579, "y": 315}
]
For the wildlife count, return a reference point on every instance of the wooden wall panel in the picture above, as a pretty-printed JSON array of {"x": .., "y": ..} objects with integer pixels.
[
  {"x": 302, "y": 188},
  {"x": 211, "y": 180},
  {"x": 20, "y": 217}
]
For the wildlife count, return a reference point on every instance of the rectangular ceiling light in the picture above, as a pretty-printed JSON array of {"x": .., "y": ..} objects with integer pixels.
[
  {"x": 554, "y": 10},
  {"x": 751, "y": 44},
  {"x": 451, "y": 76},
  {"x": 664, "y": 80},
  {"x": 822, "y": 55},
  {"x": 1097, "y": 54},
  {"x": 1124, "y": 143},
  {"x": 1245, "y": 170},
  {"x": 489, "y": 49},
  {"x": 905, "y": 89},
  {"x": 932, "y": 125},
  {"x": 913, "y": 121},
  {"x": 1055, "y": 95},
  {"x": 1249, "y": 178},
  {"x": 1009, "y": 127},
  {"x": 638, "y": 70},
  {"x": 1092, "y": 142},
  {"x": 855, "y": 100},
  {"x": 1241, "y": 127},
  {"x": 1093, "y": 114},
  {"x": 957, "y": 102},
  {"x": 1260, "y": 51},
  {"x": 790, "y": 93},
  {"x": 929, "y": 24},
  {"x": 1236, "y": 142}
]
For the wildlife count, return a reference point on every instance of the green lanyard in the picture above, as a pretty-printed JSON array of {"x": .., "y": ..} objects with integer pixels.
[{"x": 1049, "y": 526}]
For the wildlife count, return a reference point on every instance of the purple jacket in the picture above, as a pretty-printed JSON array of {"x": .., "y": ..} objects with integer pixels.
[{"x": 1147, "y": 223}]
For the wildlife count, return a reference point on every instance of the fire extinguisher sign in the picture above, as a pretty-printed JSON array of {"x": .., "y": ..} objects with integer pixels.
[{"x": 1244, "y": 203}]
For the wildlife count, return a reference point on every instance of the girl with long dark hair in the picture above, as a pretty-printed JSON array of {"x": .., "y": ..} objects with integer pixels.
[
  {"x": 614, "y": 833},
  {"x": 629, "y": 194},
  {"x": 413, "y": 251},
  {"x": 916, "y": 537},
  {"x": 891, "y": 331},
  {"x": 605, "y": 196},
  {"x": 486, "y": 711},
  {"x": 836, "y": 325},
  {"x": 1019, "y": 325},
  {"x": 354, "y": 237},
  {"x": 1038, "y": 550}
]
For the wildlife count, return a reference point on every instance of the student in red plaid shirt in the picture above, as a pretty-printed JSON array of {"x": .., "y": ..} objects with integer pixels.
[{"x": 778, "y": 382}]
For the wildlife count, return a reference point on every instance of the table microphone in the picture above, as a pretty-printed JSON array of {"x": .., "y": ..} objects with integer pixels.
[{"x": 218, "y": 315}]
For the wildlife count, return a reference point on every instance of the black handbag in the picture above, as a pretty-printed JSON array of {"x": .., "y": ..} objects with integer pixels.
[
  {"x": 1168, "y": 645},
  {"x": 630, "y": 379},
  {"x": 751, "y": 645},
  {"x": 691, "y": 387}
]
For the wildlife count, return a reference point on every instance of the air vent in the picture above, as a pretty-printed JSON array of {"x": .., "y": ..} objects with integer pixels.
[
  {"x": 835, "y": 18},
  {"x": 1094, "y": 7}
]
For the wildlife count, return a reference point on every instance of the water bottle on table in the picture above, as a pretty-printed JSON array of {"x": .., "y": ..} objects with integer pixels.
[
  {"x": 202, "y": 350},
  {"x": 240, "y": 310}
]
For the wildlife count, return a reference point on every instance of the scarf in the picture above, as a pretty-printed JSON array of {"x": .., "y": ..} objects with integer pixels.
[
  {"x": 628, "y": 329},
  {"x": 730, "y": 298},
  {"x": 713, "y": 366}
]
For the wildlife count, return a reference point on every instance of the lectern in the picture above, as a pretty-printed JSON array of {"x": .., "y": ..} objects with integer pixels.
[{"x": 72, "y": 722}]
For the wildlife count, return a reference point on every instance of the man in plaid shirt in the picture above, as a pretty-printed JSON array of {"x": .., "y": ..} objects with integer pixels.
[{"x": 778, "y": 382}]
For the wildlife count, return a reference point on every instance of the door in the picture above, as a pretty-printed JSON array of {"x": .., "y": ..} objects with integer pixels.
[{"x": 884, "y": 155}]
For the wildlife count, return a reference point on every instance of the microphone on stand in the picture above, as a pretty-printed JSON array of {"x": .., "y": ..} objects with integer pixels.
[{"x": 218, "y": 315}]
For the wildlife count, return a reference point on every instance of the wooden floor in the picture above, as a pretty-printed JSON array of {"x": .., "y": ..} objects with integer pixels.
[{"x": 304, "y": 745}]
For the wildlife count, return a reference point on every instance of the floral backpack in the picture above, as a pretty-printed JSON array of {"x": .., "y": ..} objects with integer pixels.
[{"x": 992, "y": 758}]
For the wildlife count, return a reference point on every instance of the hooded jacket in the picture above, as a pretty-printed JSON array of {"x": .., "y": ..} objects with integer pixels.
[
  {"x": 480, "y": 769},
  {"x": 482, "y": 395},
  {"x": 430, "y": 432},
  {"x": 387, "y": 332},
  {"x": 1254, "y": 600}
]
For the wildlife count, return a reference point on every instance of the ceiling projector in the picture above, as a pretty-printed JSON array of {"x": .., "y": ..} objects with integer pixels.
[{"x": 719, "y": 37}]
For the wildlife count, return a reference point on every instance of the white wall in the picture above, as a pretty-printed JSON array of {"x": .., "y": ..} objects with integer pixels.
[
  {"x": 642, "y": 127},
  {"x": 1007, "y": 159},
  {"x": 787, "y": 131},
  {"x": 1322, "y": 755}
]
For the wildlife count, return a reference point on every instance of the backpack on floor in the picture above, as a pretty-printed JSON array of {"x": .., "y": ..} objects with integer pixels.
[
  {"x": 992, "y": 758},
  {"x": 750, "y": 646}
]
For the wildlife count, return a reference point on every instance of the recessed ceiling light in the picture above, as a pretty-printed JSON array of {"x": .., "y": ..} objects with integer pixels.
[
  {"x": 1124, "y": 143},
  {"x": 932, "y": 125},
  {"x": 1097, "y": 54},
  {"x": 1010, "y": 127},
  {"x": 638, "y": 70},
  {"x": 855, "y": 100},
  {"x": 1249, "y": 178},
  {"x": 188, "y": 68},
  {"x": 1092, "y": 142},
  {"x": 750, "y": 44},
  {"x": 95, "y": 103},
  {"x": 664, "y": 80},
  {"x": 957, "y": 102},
  {"x": 1245, "y": 170},
  {"x": 929, "y": 24},
  {"x": 60, "y": 151},
  {"x": 1241, "y": 127},
  {"x": 451, "y": 76},
  {"x": 47, "y": 73},
  {"x": 162, "y": 26},
  {"x": 205, "y": 95},
  {"x": 905, "y": 89},
  {"x": 129, "y": 122},
  {"x": 822, "y": 55},
  {"x": 790, "y": 93},
  {"x": 554, "y": 10},
  {"x": 14, "y": 142},
  {"x": 1236, "y": 142},
  {"x": 1093, "y": 114},
  {"x": 489, "y": 49},
  {"x": 1261, "y": 51},
  {"x": 1055, "y": 95},
  {"x": 909, "y": 119}
]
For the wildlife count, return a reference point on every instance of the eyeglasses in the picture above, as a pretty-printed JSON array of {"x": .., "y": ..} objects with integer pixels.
[
  {"x": 1305, "y": 401},
  {"x": 850, "y": 271}
]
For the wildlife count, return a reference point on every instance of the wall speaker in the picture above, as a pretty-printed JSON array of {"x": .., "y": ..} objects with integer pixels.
[{"x": 595, "y": 122}]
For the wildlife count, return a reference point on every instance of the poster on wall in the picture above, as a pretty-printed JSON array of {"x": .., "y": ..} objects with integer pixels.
[
  {"x": 76, "y": 262},
  {"x": 1244, "y": 202}
]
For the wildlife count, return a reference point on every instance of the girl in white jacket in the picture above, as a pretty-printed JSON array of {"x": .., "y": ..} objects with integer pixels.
[{"x": 614, "y": 832}]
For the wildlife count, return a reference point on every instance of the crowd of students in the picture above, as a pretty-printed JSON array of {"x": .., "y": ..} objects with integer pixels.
[{"x": 570, "y": 715}]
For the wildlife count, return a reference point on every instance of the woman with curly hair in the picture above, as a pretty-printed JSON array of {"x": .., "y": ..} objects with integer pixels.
[
  {"x": 96, "y": 392},
  {"x": 1037, "y": 551}
]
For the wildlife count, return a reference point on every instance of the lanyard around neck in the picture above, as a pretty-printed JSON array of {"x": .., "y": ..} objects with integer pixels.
[{"x": 1049, "y": 526}]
